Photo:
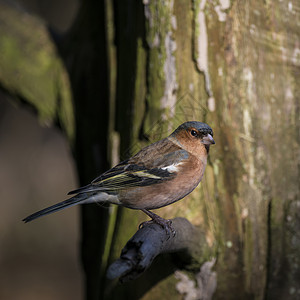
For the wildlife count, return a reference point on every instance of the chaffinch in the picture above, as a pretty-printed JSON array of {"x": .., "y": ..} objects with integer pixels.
[{"x": 158, "y": 175}]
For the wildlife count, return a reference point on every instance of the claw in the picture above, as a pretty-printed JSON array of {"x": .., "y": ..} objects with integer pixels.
[
  {"x": 143, "y": 224},
  {"x": 165, "y": 224}
]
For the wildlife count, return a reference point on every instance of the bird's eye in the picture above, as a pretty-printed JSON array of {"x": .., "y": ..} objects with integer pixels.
[{"x": 193, "y": 132}]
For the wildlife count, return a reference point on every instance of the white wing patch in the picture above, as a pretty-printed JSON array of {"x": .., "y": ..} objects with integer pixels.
[{"x": 172, "y": 168}]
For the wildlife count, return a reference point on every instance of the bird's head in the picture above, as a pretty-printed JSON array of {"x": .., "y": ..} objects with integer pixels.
[{"x": 195, "y": 137}]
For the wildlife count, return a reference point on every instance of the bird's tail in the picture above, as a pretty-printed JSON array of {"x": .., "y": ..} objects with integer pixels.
[{"x": 56, "y": 207}]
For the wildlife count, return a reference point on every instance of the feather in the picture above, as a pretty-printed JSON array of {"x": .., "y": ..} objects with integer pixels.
[
  {"x": 130, "y": 174},
  {"x": 56, "y": 207}
]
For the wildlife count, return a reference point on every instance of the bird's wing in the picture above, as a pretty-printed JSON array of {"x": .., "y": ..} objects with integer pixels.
[{"x": 133, "y": 173}]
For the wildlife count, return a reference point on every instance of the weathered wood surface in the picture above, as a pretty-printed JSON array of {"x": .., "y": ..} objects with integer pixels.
[{"x": 152, "y": 240}]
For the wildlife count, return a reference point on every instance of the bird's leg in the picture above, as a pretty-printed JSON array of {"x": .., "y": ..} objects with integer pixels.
[{"x": 165, "y": 224}]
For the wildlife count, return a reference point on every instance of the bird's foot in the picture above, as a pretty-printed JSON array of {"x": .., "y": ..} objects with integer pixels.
[{"x": 165, "y": 224}]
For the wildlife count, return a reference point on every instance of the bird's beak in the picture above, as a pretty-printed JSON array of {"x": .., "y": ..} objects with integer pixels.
[{"x": 208, "y": 140}]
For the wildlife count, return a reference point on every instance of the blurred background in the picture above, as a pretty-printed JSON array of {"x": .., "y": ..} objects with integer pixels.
[{"x": 38, "y": 260}]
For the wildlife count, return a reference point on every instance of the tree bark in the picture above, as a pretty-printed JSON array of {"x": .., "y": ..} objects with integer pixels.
[
  {"x": 223, "y": 64},
  {"x": 84, "y": 50},
  {"x": 152, "y": 240}
]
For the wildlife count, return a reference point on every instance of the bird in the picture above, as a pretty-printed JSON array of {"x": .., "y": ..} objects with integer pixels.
[{"x": 158, "y": 175}]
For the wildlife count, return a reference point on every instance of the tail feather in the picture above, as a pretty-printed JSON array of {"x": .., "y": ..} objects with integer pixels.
[
  {"x": 81, "y": 189},
  {"x": 56, "y": 207}
]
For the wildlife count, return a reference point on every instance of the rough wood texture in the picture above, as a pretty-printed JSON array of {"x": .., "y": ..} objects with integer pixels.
[
  {"x": 152, "y": 240},
  {"x": 233, "y": 65},
  {"x": 258, "y": 100}
]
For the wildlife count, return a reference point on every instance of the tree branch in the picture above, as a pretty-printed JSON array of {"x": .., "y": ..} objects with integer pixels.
[{"x": 152, "y": 240}]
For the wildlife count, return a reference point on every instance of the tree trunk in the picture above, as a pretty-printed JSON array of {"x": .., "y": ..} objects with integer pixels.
[
  {"x": 85, "y": 53},
  {"x": 219, "y": 63}
]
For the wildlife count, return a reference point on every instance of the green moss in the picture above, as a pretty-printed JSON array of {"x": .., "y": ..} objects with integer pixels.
[
  {"x": 158, "y": 26},
  {"x": 248, "y": 253},
  {"x": 109, "y": 238},
  {"x": 140, "y": 90},
  {"x": 31, "y": 69},
  {"x": 127, "y": 224},
  {"x": 164, "y": 290},
  {"x": 196, "y": 10}
]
